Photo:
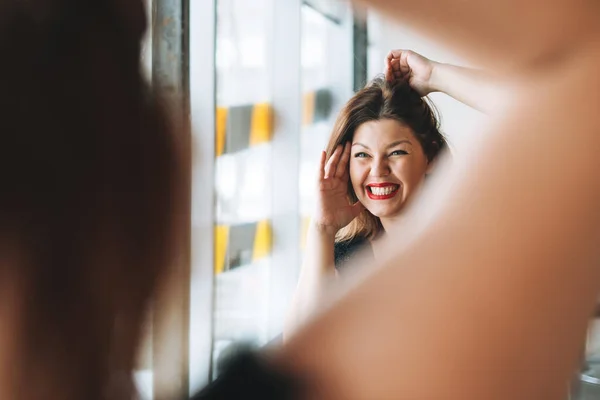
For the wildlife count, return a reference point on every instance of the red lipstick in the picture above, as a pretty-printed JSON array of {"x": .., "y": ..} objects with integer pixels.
[{"x": 382, "y": 191}]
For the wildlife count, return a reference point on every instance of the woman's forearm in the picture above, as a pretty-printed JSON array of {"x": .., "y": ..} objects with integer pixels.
[
  {"x": 317, "y": 269},
  {"x": 473, "y": 87}
]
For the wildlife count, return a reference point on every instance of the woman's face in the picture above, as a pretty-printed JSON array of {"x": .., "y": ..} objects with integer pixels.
[{"x": 387, "y": 165}]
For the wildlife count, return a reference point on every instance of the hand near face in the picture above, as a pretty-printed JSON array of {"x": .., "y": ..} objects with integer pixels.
[{"x": 333, "y": 210}]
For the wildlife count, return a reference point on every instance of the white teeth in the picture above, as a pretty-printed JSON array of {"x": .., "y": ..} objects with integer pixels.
[{"x": 382, "y": 191}]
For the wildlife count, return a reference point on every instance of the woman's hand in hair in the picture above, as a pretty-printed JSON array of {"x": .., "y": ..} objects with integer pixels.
[
  {"x": 411, "y": 67},
  {"x": 333, "y": 210},
  {"x": 475, "y": 88}
]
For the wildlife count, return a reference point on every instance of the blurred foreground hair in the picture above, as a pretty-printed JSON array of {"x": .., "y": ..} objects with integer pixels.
[{"x": 89, "y": 177}]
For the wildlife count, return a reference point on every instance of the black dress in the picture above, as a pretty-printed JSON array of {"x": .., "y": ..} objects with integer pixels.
[{"x": 346, "y": 250}]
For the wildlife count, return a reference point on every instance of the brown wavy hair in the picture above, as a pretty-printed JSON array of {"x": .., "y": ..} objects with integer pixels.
[
  {"x": 379, "y": 100},
  {"x": 90, "y": 179}
]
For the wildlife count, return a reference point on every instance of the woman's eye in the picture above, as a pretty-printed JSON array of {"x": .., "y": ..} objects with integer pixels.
[
  {"x": 399, "y": 153},
  {"x": 361, "y": 155}
]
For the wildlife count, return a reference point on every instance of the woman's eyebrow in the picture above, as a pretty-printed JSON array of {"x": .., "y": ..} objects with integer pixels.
[{"x": 397, "y": 142}]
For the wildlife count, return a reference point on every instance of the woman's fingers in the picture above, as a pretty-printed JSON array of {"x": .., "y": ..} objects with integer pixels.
[
  {"x": 331, "y": 165},
  {"x": 342, "y": 166},
  {"x": 389, "y": 70},
  {"x": 396, "y": 66},
  {"x": 322, "y": 166},
  {"x": 395, "y": 53},
  {"x": 391, "y": 55},
  {"x": 397, "y": 71}
]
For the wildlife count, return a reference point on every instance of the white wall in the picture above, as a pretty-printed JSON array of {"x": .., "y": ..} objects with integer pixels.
[{"x": 458, "y": 120}]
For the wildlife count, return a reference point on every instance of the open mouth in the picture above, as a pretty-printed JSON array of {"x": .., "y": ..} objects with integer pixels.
[{"x": 382, "y": 191}]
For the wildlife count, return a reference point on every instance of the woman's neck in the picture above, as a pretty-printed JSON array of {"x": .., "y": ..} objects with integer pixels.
[{"x": 389, "y": 222}]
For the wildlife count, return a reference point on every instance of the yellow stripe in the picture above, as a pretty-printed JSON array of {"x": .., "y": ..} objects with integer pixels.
[
  {"x": 304, "y": 233},
  {"x": 261, "y": 129},
  {"x": 221, "y": 239},
  {"x": 308, "y": 108},
  {"x": 263, "y": 240},
  {"x": 221, "y": 122}
]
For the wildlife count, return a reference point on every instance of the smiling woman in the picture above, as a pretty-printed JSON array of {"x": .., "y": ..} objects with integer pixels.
[
  {"x": 382, "y": 146},
  {"x": 394, "y": 134}
]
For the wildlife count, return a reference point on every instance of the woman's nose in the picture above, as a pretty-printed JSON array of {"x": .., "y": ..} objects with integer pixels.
[{"x": 380, "y": 167}]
